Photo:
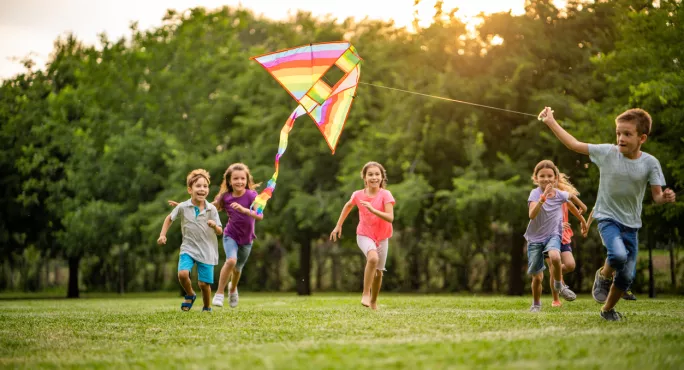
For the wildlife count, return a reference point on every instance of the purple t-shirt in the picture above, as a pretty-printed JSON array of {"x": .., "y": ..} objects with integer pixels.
[
  {"x": 549, "y": 220},
  {"x": 240, "y": 227}
]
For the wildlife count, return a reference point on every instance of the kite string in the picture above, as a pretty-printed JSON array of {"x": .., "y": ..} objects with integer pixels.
[{"x": 448, "y": 99}]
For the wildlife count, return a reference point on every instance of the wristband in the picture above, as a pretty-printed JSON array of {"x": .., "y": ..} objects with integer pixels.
[{"x": 542, "y": 199}]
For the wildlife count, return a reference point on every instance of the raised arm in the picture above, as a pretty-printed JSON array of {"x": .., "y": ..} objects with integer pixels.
[
  {"x": 535, "y": 207},
  {"x": 568, "y": 140},
  {"x": 337, "y": 231},
  {"x": 661, "y": 196}
]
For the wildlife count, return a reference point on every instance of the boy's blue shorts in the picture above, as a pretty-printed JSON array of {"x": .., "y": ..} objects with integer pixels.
[{"x": 205, "y": 273}]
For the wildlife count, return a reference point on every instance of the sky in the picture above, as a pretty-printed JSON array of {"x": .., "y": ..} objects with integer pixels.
[{"x": 30, "y": 27}]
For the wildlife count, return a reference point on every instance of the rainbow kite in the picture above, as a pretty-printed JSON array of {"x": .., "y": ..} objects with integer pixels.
[{"x": 300, "y": 71}]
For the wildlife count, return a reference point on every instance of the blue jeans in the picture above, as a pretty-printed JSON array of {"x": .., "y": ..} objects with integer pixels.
[
  {"x": 535, "y": 254},
  {"x": 622, "y": 245},
  {"x": 239, "y": 253},
  {"x": 205, "y": 273}
]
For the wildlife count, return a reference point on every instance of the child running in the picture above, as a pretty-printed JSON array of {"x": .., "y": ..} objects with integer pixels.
[
  {"x": 625, "y": 172},
  {"x": 236, "y": 196},
  {"x": 544, "y": 231},
  {"x": 567, "y": 259},
  {"x": 200, "y": 224},
  {"x": 376, "y": 213}
]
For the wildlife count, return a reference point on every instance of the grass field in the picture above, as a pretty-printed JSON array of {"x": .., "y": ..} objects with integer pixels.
[{"x": 277, "y": 331}]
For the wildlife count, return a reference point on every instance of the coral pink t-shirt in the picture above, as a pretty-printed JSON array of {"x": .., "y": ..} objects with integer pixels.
[
  {"x": 567, "y": 233},
  {"x": 371, "y": 225}
]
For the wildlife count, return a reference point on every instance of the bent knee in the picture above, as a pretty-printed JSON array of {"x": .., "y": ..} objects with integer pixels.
[
  {"x": 203, "y": 285},
  {"x": 183, "y": 274},
  {"x": 570, "y": 267},
  {"x": 231, "y": 262},
  {"x": 373, "y": 257}
]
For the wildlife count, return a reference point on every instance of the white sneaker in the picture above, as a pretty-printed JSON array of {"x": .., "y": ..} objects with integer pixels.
[
  {"x": 232, "y": 297},
  {"x": 218, "y": 300}
]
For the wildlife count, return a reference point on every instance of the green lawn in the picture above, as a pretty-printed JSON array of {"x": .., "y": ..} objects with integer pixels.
[{"x": 335, "y": 331}]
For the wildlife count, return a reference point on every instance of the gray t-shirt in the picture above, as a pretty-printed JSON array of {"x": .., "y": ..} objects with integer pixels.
[
  {"x": 549, "y": 220},
  {"x": 623, "y": 183},
  {"x": 199, "y": 240}
]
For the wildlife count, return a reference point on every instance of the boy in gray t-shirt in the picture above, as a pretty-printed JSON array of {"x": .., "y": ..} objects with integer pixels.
[
  {"x": 200, "y": 224},
  {"x": 625, "y": 171}
]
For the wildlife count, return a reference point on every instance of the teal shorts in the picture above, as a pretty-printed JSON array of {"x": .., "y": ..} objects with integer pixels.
[{"x": 205, "y": 273}]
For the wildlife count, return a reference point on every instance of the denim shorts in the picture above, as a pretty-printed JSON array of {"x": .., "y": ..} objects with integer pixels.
[
  {"x": 564, "y": 248},
  {"x": 205, "y": 273},
  {"x": 535, "y": 254},
  {"x": 622, "y": 245},
  {"x": 236, "y": 252}
]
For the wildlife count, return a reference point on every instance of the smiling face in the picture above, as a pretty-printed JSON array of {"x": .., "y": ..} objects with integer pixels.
[
  {"x": 628, "y": 139},
  {"x": 238, "y": 181},
  {"x": 373, "y": 177},
  {"x": 199, "y": 190},
  {"x": 545, "y": 176}
]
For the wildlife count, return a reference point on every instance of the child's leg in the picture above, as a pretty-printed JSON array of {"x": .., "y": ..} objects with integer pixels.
[
  {"x": 568, "y": 262},
  {"x": 205, "y": 277},
  {"x": 555, "y": 272},
  {"x": 377, "y": 279},
  {"x": 537, "y": 288},
  {"x": 206, "y": 293},
  {"x": 185, "y": 264},
  {"x": 231, "y": 248},
  {"x": 242, "y": 256},
  {"x": 611, "y": 234},
  {"x": 554, "y": 292},
  {"x": 184, "y": 279},
  {"x": 367, "y": 246},
  {"x": 369, "y": 276},
  {"x": 226, "y": 270},
  {"x": 535, "y": 268},
  {"x": 375, "y": 289},
  {"x": 625, "y": 276}
]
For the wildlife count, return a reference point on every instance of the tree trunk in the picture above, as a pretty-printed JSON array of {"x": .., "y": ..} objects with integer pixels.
[
  {"x": 72, "y": 291},
  {"x": 335, "y": 256},
  {"x": 651, "y": 283},
  {"x": 673, "y": 267},
  {"x": 515, "y": 278},
  {"x": 304, "y": 274}
]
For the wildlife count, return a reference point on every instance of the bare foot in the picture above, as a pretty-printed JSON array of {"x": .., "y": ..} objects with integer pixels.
[
  {"x": 365, "y": 300},
  {"x": 374, "y": 306}
]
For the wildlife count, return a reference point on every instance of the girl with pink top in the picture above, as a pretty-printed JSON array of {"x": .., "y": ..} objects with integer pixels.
[{"x": 376, "y": 213}]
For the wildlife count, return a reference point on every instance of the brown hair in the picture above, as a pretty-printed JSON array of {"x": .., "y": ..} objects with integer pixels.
[
  {"x": 639, "y": 117},
  {"x": 225, "y": 185},
  {"x": 195, "y": 175},
  {"x": 382, "y": 172},
  {"x": 542, "y": 165}
]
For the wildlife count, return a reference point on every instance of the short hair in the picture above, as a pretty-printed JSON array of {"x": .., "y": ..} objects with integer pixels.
[
  {"x": 195, "y": 175},
  {"x": 640, "y": 118}
]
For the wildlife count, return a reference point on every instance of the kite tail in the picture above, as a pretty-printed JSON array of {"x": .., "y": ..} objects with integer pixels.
[{"x": 266, "y": 194}]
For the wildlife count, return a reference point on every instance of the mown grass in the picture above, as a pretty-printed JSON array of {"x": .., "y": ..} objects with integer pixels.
[{"x": 336, "y": 332}]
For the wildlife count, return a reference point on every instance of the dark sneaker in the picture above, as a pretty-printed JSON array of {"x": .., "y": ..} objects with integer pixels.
[
  {"x": 601, "y": 287},
  {"x": 611, "y": 315},
  {"x": 567, "y": 294},
  {"x": 629, "y": 296},
  {"x": 535, "y": 308}
]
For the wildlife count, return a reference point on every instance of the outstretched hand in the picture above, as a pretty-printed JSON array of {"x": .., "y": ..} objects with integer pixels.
[
  {"x": 546, "y": 115},
  {"x": 172, "y": 203}
]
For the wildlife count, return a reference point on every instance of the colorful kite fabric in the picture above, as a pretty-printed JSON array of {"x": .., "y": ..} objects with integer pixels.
[{"x": 300, "y": 71}]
